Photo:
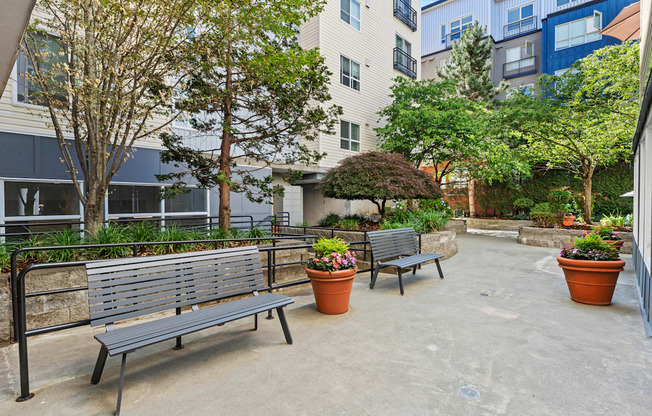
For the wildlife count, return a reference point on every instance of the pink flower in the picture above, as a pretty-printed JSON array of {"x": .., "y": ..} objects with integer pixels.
[
  {"x": 575, "y": 251},
  {"x": 353, "y": 262},
  {"x": 353, "y": 254},
  {"x": 344, "y": 262},
  {"x": 324, "y": 259},
  {"x": 315, "y": 260}
]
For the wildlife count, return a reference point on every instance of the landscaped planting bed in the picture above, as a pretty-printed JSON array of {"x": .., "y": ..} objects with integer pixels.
[{"x": 561, "y": 237}]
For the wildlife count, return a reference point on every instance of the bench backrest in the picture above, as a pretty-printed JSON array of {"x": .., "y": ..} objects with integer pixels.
[
  {"x": 392, "y": 243},
  {"x": 126, "y": 288}
]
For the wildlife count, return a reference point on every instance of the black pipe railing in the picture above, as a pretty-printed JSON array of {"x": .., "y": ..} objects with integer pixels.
[
  {"x": 521, "y": 27},
  {"x": 405, "y": 63},
  {"x": 519, "y": 68},
  {"x": 405, "y": 13}
]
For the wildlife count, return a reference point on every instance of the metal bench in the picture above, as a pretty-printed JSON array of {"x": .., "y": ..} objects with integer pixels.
[
  {"x": 121, "y": 289},
  {"x": 401, "y": 245}
]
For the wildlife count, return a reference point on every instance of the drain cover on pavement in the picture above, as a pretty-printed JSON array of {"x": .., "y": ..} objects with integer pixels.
[
  {"x": 469, "y": 392},
  {"x": 484, "y": 294}
]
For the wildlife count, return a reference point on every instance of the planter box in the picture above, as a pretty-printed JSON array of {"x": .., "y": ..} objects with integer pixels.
[
  {"x": 456, "y": 224},
  {"x": 497, "y": 225},
  {"x": 560, "y": 237}
]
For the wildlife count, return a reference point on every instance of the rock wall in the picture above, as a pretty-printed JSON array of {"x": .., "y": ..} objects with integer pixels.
[
  {"x": 456, "y": 224},
  {"x": 560, "y": 237},
  {"x": 499, "y": 225}
]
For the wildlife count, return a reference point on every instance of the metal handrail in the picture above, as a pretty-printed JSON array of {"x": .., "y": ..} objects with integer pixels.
[
  {"x": 522, "y": 28},
  {"x": 522, "y": 68},
  {"x": 405, "y": 13},
  {"x": 19, "y": 295},
  {"x": 405, "y": 63}
]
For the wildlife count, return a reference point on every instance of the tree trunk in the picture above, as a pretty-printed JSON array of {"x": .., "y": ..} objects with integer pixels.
[
  {"x": 588, "y": 197},
  {"x": 471, "y": 189},
  {"x": 225, "y": 151}
]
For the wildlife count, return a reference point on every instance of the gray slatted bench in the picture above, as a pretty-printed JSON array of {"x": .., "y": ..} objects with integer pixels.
[
  {"x": 401, "y": 245},
  {"x": 121, "y": 289}
]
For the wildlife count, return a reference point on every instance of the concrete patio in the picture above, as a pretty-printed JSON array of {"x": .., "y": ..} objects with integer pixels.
[{"x": 501, "y": 322}]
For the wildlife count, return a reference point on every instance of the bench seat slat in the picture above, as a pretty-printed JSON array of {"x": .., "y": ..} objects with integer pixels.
[
  {"x": 148, "y": 333},
  {"x": 412, "y": 260}
]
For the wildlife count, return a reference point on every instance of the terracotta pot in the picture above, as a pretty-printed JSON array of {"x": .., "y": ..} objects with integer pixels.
[
  {"x": 616, "y": 243},
  {"x": 568, "y": 220},
  {"x": 332, "y": 290},
  {"x": 591, "y": 281}
]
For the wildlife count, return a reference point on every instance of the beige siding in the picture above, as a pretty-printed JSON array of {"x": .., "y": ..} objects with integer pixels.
[
  {"x": 372, "y": 47},
  {"x": 430, "y": 63}
]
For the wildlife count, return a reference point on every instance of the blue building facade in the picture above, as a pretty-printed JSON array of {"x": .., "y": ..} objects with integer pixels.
[{"x": 573, "y": 33}]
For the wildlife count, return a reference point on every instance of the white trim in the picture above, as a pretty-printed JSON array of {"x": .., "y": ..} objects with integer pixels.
[
  {"x": 339, "y": 137},
  {"x": 586, "y": 34},
  {"x": 339, "y": 14},
  {"x": 351, "y": 73}
]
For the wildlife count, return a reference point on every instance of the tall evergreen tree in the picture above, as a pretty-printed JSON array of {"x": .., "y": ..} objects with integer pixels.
[{"x": 470, "y": 70}]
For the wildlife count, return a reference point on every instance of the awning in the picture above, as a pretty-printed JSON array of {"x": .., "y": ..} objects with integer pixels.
[
  {"x": 627, "y": 25},
  {"x": 14, "y": 17}
]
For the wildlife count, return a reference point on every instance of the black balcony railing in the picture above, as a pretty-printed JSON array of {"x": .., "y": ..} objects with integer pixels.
[
  {"x": 519, "y": 68},
  {"x": 405, "y": 63},
  {"x": 405, "y": 13},
  {"x": 529, "y": 24}
]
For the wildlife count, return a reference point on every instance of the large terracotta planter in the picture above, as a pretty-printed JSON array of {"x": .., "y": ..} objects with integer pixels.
[
  {"x": 616, "y": 243},
  {"x": 332, "y": 290},
  {"x": 591, "y": 281},
  {"x": 568, "y": 220}
]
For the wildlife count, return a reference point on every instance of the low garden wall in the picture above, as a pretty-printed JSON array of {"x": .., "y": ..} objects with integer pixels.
[
  {"x": 560, "y": 237},
  {"x": 456, "y": 224},
  {"x": 498, "y": 225}
]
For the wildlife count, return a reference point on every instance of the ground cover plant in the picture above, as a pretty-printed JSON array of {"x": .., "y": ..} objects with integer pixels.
[
  {"x": 590, "y": 247},
  {"x": 425, "y": 216}
]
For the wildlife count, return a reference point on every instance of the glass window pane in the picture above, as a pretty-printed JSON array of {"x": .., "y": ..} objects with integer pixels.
[
  {"x": 346, "y": 63},
  {"x": 344, "y": 129},
  {"x": 355, "y": 85},
  {"x": 344, "y": 144},
  {"x": 355, "y": 70},
  {"x": 591, "y": 37},
  {"x": 577, "y": 41},
  {"x": 527, "y": 11},
  {"x": 455, "y": 25},
  {"x": 443, "y": 33},
  {"x": 562, "y": 2},
  {"x": 562, "y": 44},
  {"x": 355, "y": 146},
  {"x": 355, "y": 132},
  {"x": 527, "y": 22},
  {"x": 33, "y": 198},
  {"x": 513, "y": 16},
  {"x": 355, "y": 23},
  {"x": 126, "y": 199},
  {"x": 513, "y": 54},
  {"x": 561, "y": 32},
  {"x": 577, "y": 28},
  {"x": 399, "y": 42},
  {"x": 345, "y": 10},
  {"x": 466, "y": 20},
  {"x": 355, "y": 10},
  {"x": 192, "y": 201}
]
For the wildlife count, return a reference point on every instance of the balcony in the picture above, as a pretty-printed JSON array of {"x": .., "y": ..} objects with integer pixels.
[
  {"x": 520, "y": 27},
  {"x": 520, "y": 68},
  {"x": 405, "y": 63},
  {"x": 405, "y": 13}
]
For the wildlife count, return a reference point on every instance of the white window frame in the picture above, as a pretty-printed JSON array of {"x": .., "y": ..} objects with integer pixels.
[
  {"x": 520, "y": 15},
  {"x": 443, "y": 32},
  {"x": 569, "y": 38},
  {"x": 565, "y": 2},
  {"x": 350, "y": 76},
  {"x": 459, "y": 20},
  {"x": 351, "y": 17},
  {"x": 522, "y": 57},
  {"x": 350, "y": 138}
]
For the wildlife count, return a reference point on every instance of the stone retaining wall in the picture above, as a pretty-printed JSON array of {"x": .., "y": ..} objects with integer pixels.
[
  {"x": 499, "y": 225},
  {"x": 456, "y": 224},
  {"x": 560, "y": 237}
]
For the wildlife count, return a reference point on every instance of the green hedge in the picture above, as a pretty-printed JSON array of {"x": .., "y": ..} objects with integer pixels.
[{"x": 608, "y": 185}]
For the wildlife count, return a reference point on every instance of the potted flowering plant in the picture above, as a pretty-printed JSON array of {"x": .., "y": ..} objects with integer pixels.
[
  {"x": 331, "y": 272},
  {"x": 610, "y": 236},
  {"x": 591, "y": 267}
]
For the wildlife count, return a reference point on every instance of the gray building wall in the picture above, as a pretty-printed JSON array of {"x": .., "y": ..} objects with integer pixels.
[{"x": 500, "y": 59}]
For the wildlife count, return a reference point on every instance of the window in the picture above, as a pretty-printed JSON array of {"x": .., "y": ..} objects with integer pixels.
[
  {"x": 564, "y": 2},
  {"x": 578, "y": 32},
  {"x": 520, "y": 57},
  {"x": 350, "y": 12},
  {"x": 127, "y": 199},
  {"x": 526, "y": 89},
  {"x": 183, "y": 119},
  {"x": 54, "y": 59},
  {"x": 404, "y": 45},
  {"x": 349, "y": 73},
  {"x": 459, "y": 25},
  {"x": 443, "y": 33},
  {"x": 520, "y": 17},
  {"x": 349, "y": 136},
  {"x": 34, "y": 198},
  {"x": 192, "y": 201}
]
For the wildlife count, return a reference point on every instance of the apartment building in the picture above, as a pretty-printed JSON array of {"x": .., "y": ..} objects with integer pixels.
[
  {"x": 642, "y": 152},
  {"x": 366, "y": 44},
  {"x": 35, "y": 186},
  {"x": 531, "y": 37}
]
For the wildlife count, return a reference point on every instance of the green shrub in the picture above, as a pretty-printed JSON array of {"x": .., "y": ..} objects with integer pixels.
[
  {"x": 349, "y": 224},
  {"x": 435, "y": 205},
  {"x": 256, "y": 232},
  {"x": 330, "y": 220},
  {"x": 542, "y": 216},
  {"x": 422, "y": 221},
  {"x": 61, "y": 238},
  {"x": 613, "y": 220},
  {"x": 172, "y": 233},
  {"x": 142, "y": 232},
  {"x": 523, "y": 203},
  {"x": 111, "y": 234},
  {"x": 326, "y": 246},
  {"x": 522, "y": 217},
  {"x": 560, "y": 200},
  {"x": 590, "y": 247}
]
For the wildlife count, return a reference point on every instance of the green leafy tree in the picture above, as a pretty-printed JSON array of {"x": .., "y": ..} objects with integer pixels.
[
  {"x": 429, "y": 124},
  {"x": 583, "y": 119},
  {"x": 100, "y": 68},
  {"x": 378, "y": 177},
  {"x": 255, "y": 89}
]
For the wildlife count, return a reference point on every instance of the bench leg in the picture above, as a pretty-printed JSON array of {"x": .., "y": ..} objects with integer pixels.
[
  {"x": 121, "y": 384},
  {"x": 284, "y": 324},
  {"x": 414, "y": 270},
  {"x": 374, "y": 276},
  {"x": 441, "y": 275},
  {"x": 255, "y": 322},
  {"x": 178, "y": 345},
  {"x": 99, "y": 365},
  {"x": 400, "y": 280}
]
